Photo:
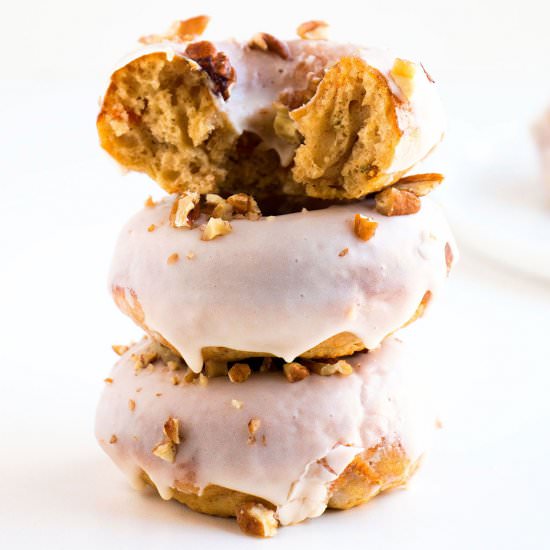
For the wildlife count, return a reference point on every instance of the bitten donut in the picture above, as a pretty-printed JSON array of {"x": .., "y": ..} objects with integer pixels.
[
  {"x": 299, "y": 117},
  {"x": 267, "y": 451},
  {"x": 316, "y": 284}
]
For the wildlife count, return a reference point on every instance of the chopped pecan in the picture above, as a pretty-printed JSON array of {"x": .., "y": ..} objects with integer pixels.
[
  {"x": 239, "y": 372},
  {"x": 268, "y": 43},
  {"x": 215, "y": 64},
  {"x": 328, "y": 369},
  {"x": 245, "y": 205},
  {"x": 171, "y": 430},
  {"x": 185, "y": 210},
  {"x": 180, "y": 31},
  {"x": 166, "y": 450},
  {"x": 216, "y": 227},
  {"x": 364, "y": 227},
  {"x": 395, "y": 202},
  {"x": 420, "y": 184},
  {"x": 294, "y": 372},
  {"x": 313, "y": 30}
]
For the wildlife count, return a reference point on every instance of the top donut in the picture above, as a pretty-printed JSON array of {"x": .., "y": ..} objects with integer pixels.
[{"x": 306, "y": 117}]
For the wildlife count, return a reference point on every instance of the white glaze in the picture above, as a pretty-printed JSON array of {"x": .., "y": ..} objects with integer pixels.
[
  {"x": 262, "y": 76},
  {"x": 334, "y": 417},
  {"x": 278, "y": 285}
]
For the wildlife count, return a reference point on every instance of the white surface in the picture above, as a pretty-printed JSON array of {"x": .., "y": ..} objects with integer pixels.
[{"x": 484, "y": 486}]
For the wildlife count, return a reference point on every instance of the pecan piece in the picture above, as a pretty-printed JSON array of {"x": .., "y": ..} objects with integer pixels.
[
  {"x": 239, "y": 372},
  {"x": 294, "y": 372},
  {"x": 216, "y": 65},
  {"x": 420, "y": 184},
  {"x": 364, "y": 227},
  {"x": 395, "y": 202},
  {"x": 268, "y": 43},
  {"x": 185, "y": 210},
  {"x": 313, "y": 30}
]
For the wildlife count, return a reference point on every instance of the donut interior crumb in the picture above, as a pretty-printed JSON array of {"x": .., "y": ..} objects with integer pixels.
[{"x": 161, "y": 115}]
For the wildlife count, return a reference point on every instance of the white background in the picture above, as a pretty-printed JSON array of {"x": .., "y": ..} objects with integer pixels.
[{"x": 62, "y": 202}]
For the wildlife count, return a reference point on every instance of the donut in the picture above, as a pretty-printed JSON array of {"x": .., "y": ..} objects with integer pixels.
[
  {"x": 304, "y": 284},
  {"x": 269, "y": 117},
  {"x": 266, "y": 451},
  {"x": 542, "y": 136}
]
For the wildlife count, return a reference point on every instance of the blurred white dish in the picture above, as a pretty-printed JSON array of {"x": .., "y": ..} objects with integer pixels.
[{"x": 497, "y": 202}]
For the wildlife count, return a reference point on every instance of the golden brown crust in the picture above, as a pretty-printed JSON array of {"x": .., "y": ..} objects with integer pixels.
[{"x": 378, "y": 469}]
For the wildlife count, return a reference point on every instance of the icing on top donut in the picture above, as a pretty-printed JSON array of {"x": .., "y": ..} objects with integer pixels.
[
  {"x": 378, "y": 402},
  {"x": 282, "y": 284}
]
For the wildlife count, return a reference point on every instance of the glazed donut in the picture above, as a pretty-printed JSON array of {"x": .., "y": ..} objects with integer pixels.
[
  {"x": 302, "y": 117},
  {"x": 542, "y": 136},
  {"x": 268, "y": 451},
  {"x": 301, "y": 284}
]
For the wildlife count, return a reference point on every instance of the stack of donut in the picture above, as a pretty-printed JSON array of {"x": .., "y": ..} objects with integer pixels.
[{"x": 272, "y": 281}]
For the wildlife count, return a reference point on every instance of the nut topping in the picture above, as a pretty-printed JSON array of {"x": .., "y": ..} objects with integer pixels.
[
  {"x": 180, "y": 31},
  {"x": 396, "y": 202},
  {"x": 420, "y": 184},
  {"x": 216, "y": 65},
  {"x": 364, "y": 227},
  {"x": 313, "y": 30},
  {"x": 268, "y": 43},
  {"x": 328, "y": 369},
  {"x": 245, "y": 205},
  {"x": 165, "y": 450},
  {"x": 294, "y": 372},
  {"x": 216, "y": 227},
  {"x": 185, "y": 210},
  {"x": 171, "y": 430},
  {"x": 239, "y": 372},
  {"x": 256, "y": 519}
]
